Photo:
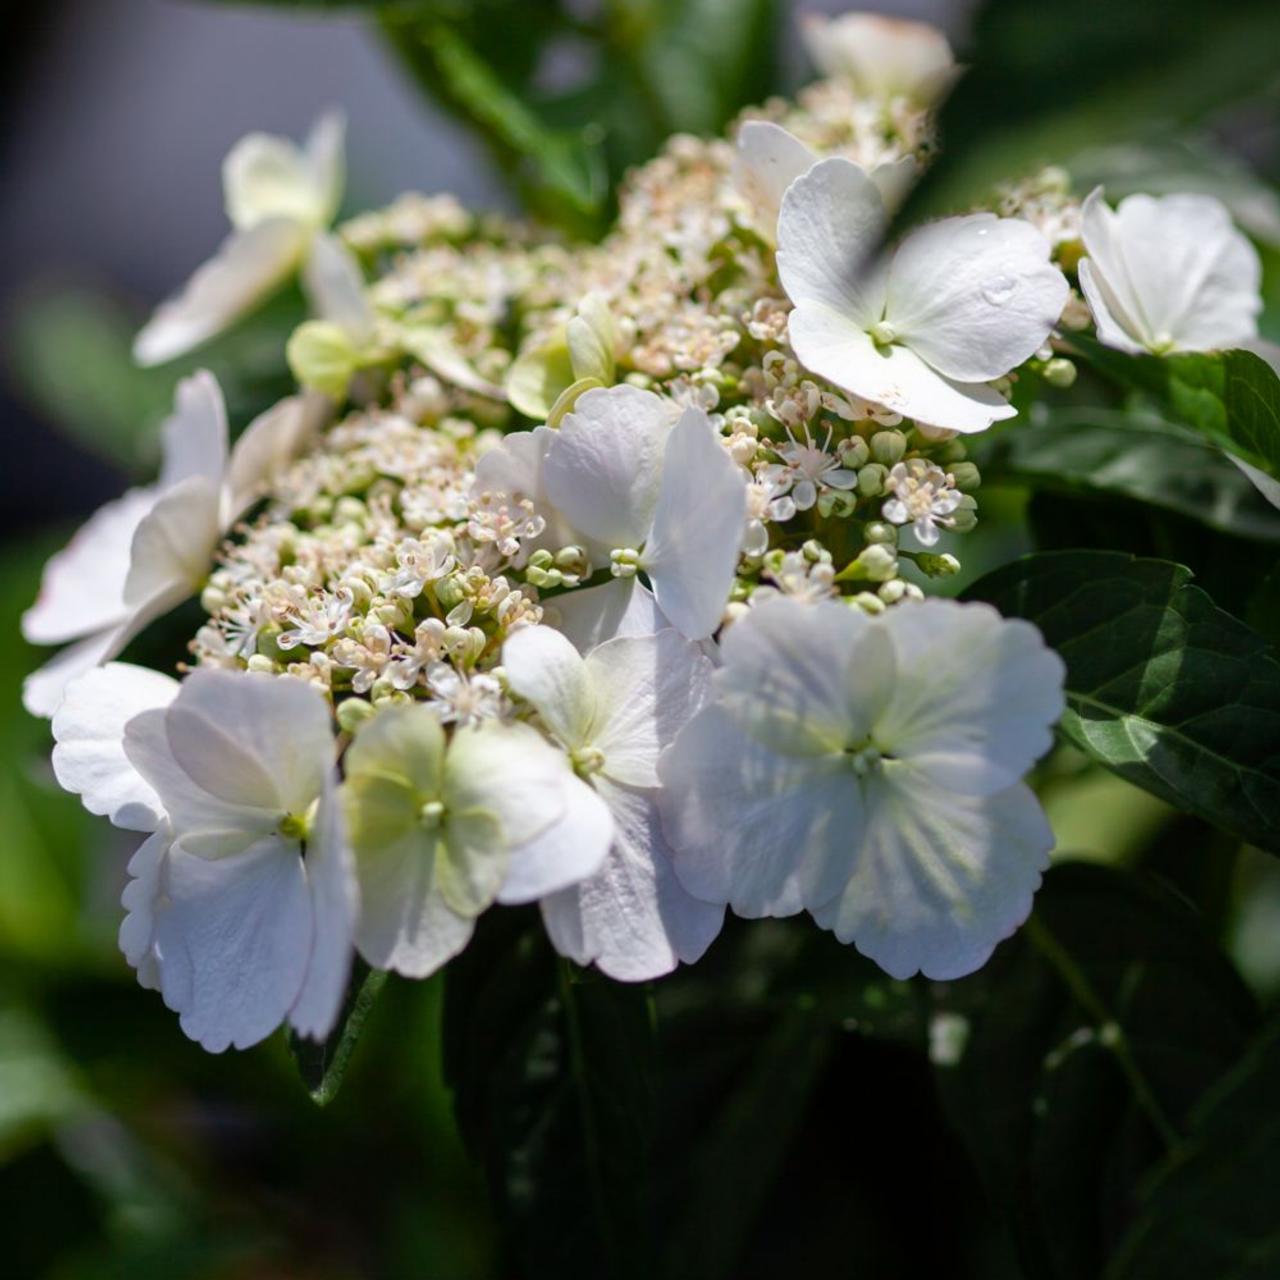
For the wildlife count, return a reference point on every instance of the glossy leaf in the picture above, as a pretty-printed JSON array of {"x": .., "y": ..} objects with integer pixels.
[
  {"x": 1078, "y": 1055},
  {"x": 1100, "y": 451},
  {"x": 1163, "y": 687},
  {"x": 1230, "y": 397}
]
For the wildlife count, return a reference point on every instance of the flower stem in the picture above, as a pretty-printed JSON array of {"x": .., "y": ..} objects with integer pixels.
[{"x": 1110, "y": 1033}]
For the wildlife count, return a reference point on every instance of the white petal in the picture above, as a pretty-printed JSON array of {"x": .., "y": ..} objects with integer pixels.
[
  {"x": 268, "y": 445},
  {"x": 831, "y": 224},
  {"x": 509, "y": 770},
  {"x": 43, "y": 689},
  {"x": 545, "y": 670},
  {"x": 769, "y": 159},
  {"x": 248, "y": 266},
  {"x": 326, "y": 160},
  {"x": 882, "y": 57},
  {"x": 569, "y": 850},
  {"x": 195, "y": 434},
  {"x": 592, "y": 615},
  {"x": 647, "y": 688},
  {"x": 894, "y": 180},
  {"x": 979, "y": 697},
  {"x": 831, "y": 346},
  {"x": 804, "y": 679},
  {"x": 232, "y": 755},
  {"x": 1266, "y": 485},
  {"x": 975, "y": 296},
  {"x": 88, "y": 732},
  {"x": 405, "y": 923},
  {"x": 766, "y": 833},
  {"x": 233, "y": 938},
  {"x": 142, "y": 895},
  {"x": 82, "y": 589},
  {"x": 252, "y": 739},
  {"x": 1171, "y": 272},
  {"x": 698, "y": 526},
  {"x": 604, "y": 467},
  {"x": 335, "y": 287},
  {"x": 173, "y": 545},
  {"x": 940, "y": 878},
  {"x": 265, "y": 176},
  {"x": 331, "y": 881},
  {"x": 633, "y": 918},
  {"x": 1114, "y": 324}
]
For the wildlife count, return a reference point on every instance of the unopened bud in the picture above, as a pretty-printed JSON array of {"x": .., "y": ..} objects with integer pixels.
[
  {"x": 887, "y": 447},
  {"x": 871, "y": 479},
  {"x": 352, "y": 713},
  {"x": 880, "y": 531},
  {"x": 877, "y": 562},
  {"x": 868, "y": 602},
  {"x": 965, "y": 476},
  {"x": 1060, "y": 372},
  {"x": 937, "y": 566},
  {"x": 892, "y": 591}
]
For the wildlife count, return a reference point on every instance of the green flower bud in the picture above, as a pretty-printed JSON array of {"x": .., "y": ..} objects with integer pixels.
[
  {"x": 321, "y": 356},
  {"x": 965, "y": 516},
  {"x": 937, "y": 566},
  {"x": 965, "y": 476},
  {"x": 868, "y": 602},
  {"x": 871, "y": 479},
  {"x": 1060, "y": 372},
  {"x": 887, "y": 447},
  {"x": 352, "y": 713},
  {"x": 881, "y": 531},
  {"x": 877, "y": 562}
]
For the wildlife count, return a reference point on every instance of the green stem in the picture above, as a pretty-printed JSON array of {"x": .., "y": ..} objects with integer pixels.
[{"x": 1110, "y": 1032}]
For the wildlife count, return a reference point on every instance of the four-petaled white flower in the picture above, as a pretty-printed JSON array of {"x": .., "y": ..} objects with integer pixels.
[
  {"x": 141, "y": 555},
  {"x": 922, "y": 497},
  {"x": 868, "y": 770},
  {"x": 769, "y": 160},
  {"x": 1168, "y": 273},
  {"x": 242, "y": 902},
  {"x": 280, "y": 198},
  {"x": 882, "y": 57},
  {"x": 614, "y": 711},
  {"x": 441, "y": 829},
  {"x": 957, "y": 304}
]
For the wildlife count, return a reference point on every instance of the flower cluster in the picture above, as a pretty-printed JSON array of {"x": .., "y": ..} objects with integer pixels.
[{"x": 593, "y": 575}]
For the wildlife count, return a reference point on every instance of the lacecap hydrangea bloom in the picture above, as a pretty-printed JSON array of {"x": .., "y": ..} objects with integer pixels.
[{"x": 594, "y": 575}]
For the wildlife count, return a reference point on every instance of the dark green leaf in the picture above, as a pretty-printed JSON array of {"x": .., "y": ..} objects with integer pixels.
[
  {"x": 1231, "y": 397},
  {"x": 1163, "y": 687},
  {"x": 1073, "y": 1061},
  {"x": 1213, "y": 1208},
  {"x": 563, "y": 169},
  {"x": 322, "y": 1064},
  {"x": 1046, "y": 81},
  {"x": 701, "y": 60},
  {"x": 552, "y": 1072},
  {"x": 1103, "y": 451}
]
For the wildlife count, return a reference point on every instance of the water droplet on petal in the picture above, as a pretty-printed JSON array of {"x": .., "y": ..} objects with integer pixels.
[{"x": 998, "y": 291}]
